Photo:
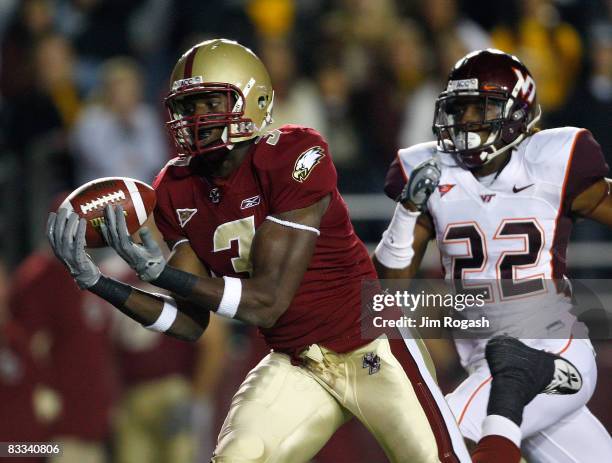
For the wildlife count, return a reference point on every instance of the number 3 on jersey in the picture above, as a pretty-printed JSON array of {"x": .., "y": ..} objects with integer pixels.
[{"x": 241, "y": 230}]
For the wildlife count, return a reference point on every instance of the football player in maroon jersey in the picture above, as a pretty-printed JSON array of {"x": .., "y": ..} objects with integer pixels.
[
  {"x": 21, "y": 380},
  {"x": 260, "y": 233}
]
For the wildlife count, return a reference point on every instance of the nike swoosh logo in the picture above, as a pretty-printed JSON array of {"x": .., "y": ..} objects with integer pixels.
[{"x": 518, "y": 190}]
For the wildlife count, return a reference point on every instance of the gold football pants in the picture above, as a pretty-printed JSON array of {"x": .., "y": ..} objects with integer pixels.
[
  {"x": 286, "y": 413},
  {"x": 143, "y": 428}
]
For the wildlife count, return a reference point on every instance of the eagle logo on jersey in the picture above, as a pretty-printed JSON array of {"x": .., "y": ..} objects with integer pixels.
[
  {"x": 185, "y": 215},
  {"x": 306, "y": 162}
]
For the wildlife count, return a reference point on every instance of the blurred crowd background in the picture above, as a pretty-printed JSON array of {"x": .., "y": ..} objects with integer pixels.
[{"x": 82, "y": 84}]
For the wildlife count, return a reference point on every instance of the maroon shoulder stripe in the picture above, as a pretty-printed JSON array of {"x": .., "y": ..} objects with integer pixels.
[
  {"x": 585, "y": 166},
  {"x": 396, "y": 178}
]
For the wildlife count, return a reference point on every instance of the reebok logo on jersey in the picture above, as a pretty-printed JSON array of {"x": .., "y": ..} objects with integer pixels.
[
  {"x": 185, "y": 215},
  {"x": 250, "y": 202},
  {"x": 306, "y": 162},
  {"x": 443, "y": 189},
  {"x": 518, "y": 190}
]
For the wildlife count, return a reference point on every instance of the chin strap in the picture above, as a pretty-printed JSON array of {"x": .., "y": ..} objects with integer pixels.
[
  {"x": 519, "y": 139},
  {"x": 240, "y": 102},
  {"x": 224, "y": 139},
  {"x": 268, "y": 119}
]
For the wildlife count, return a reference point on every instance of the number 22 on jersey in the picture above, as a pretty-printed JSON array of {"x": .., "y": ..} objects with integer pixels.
[{"x": 507, "y": 262}]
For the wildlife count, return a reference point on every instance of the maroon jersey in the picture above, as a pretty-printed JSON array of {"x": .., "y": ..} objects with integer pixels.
[
  {"x": 144, "y": 355},
  {"x": 149, "y": 356},
  {"x": 79, "y": 364},
  {"x": 19, "y": 376},
  {"x": 288, "y": 169}
]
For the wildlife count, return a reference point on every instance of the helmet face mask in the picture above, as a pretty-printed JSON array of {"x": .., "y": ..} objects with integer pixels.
[
  {"x": 235, "y": 74},
  {"x": 190, "y": 130},
  {"x": 470, "y": 124},
  {"x": 488, "y": 107}
]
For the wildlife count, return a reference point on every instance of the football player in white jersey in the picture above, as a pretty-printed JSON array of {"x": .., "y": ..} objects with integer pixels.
[{"x": 499, "y": 196}]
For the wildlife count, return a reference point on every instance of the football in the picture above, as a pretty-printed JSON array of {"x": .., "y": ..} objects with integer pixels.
[{"x": 89, "y": 200}]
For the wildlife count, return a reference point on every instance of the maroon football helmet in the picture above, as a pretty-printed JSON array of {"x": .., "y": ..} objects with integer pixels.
[{"x": 489, "y": 94}]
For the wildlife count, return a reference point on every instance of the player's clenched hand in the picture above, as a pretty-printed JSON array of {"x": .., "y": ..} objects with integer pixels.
[
  {"x": 146, "y": 259},
  {"x": 66, "y": 233},
  {"x": 423, "y": 181}
]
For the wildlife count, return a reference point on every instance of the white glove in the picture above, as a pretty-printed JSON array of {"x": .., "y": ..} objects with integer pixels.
[
  {"x": 66, "y": 234},
  {"x": 146, "y": 259}
]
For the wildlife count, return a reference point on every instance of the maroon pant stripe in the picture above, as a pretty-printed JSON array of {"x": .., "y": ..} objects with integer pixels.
[{"x": 446, "y": 453}]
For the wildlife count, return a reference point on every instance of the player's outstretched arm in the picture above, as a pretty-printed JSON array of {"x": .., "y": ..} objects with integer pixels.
[
  {"x": 403, "y": 244},
  {"x": 280, "y": 254},
  {"x": 191, "y": 321},
  {"x": 408, "y": 267},
  {"x": 66, "y": 234},
  {"x": 595, "y": 202}
]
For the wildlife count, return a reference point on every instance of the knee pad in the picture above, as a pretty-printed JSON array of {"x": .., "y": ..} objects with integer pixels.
[{"x": 240, "y": 447}]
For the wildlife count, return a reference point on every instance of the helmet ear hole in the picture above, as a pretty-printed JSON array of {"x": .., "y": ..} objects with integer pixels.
[
  {"x": 518, "y": 115},
  {"x": 261, "y": 102},
  {"x": 511, "y": 132},
  {"x": 516, "y": 125}
]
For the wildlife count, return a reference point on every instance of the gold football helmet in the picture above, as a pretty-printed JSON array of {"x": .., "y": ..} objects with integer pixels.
[{"x": 219, "y": 66}]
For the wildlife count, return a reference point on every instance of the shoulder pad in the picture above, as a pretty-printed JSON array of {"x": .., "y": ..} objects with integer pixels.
[
  {"x": 175, "y": 168},
  {"x": 547, "y": 153},
  {"x": 405, "y": 162},
  {"x": 546, "y": 146},
  {"x": 281, "y": 147},
  {"x": 413, "y": 156}
]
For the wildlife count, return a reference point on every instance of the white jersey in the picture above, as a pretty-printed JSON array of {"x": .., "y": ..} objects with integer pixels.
[{"x": 507, "y": 239}]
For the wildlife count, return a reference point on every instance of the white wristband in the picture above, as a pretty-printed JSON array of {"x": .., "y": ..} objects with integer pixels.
[
  {"x": 166, "y": 317},
  {"x": 232, "y": 292},
  {"x": 395, "y": 247}
]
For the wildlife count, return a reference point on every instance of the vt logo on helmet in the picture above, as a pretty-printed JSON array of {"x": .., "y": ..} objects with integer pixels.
[
  {"x": 489, "y": 105},
  {"x": 220, "y": 94}
]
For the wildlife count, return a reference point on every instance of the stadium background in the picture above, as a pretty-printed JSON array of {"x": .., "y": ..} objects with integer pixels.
[{"x": 81, "y": 86}]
